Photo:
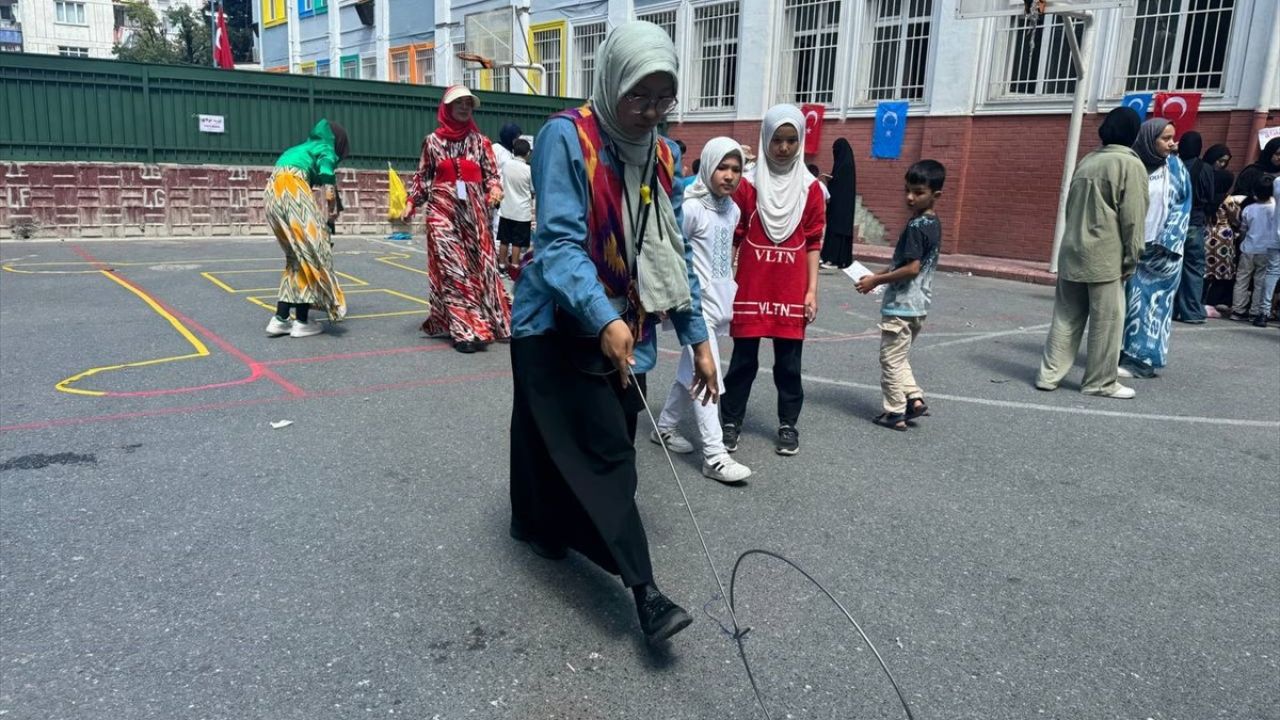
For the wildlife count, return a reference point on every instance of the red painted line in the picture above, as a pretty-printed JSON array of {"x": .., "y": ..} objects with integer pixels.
[
  {"x": 256, "y": 368},
  {"x": 207, "y": 407},
  {"x": 355, "y": 355}
]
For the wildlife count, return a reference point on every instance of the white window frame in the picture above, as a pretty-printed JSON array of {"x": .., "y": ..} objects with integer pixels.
[
  {"x": 73, "y": 51},
  {"x": 426, "y": 71},
  {"x": 578, "y": 31},
  {"x": 402, "y": 66},
  {"x": 552, "y": 69},
  {"x": 1122, "y": 81},
  {"x": 867, "y": 95},
  {"x": 666, "y": 17},
  {"x": 786, "y": 90},
  {"x": 64, "y": 16},
  {"x": 368, "y": 67},
  {"x": 695, "y": 70},
  {"x": 1054, "y": 73}
]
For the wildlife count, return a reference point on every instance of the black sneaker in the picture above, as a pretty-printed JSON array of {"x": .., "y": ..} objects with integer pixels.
[
  {"x": 659, "y": 617},
  {"x": 1259, "y": 320},
  {"x": 788, "y": 440},
  {"x": 730, "y": 432}
]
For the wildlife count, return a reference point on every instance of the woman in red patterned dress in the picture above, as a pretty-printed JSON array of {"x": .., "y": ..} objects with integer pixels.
[{"x": 458, "y": 181}]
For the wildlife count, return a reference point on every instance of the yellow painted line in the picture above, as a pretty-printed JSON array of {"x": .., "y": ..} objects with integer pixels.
[
  {"x": 210, "y": 277},
  {"x": 13, "y": 266},
  {"x": 213, "y": 278},
  {"x": 199, "y": 347},
  {"x": 10, "y": 268},
  {"x": 262, "y": 302},
  {"x": 390, "y": 260}
]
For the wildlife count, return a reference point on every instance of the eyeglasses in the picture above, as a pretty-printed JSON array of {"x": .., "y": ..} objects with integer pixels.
[{"x": 638, "y": 104}]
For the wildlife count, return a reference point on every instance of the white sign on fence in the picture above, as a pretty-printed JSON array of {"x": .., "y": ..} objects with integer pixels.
[{"x": 212, "y": 124}]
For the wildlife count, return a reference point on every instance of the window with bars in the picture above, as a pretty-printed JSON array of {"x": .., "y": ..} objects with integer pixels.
[
  {"x": 809, "y": 59},
  {"x": 665, "y": 19},
  {"x": 715, "y": 57},
  {"x": 322, "y": 68},
  {"x": 70, "y": 13},
  {"x": 548, "y": 51},
  {"x": 369, "y": 68},
  {"x": 351, "y": 66},
  {"x": 400, "y": 67},
  {"x": 896, "y": 49},
  {"x": 586, "y": 40},
  {"x": 426, "y": 60},
  {"x": 1034, "y": 58},
  {"x": 1178, "y": 45},
  {"x": 66, "y": 51}
]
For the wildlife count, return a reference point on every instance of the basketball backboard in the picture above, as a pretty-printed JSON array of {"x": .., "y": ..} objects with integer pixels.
[
  {"x": 488, "y": 34},
  {"x": 970, "y": 9}
]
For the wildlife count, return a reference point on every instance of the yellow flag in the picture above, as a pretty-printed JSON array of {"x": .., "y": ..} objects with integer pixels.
[{"x": 397, "y": 198}]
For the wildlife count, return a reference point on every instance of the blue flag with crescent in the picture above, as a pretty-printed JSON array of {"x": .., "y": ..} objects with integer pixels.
[
  {"x": 891, "y": 129},
  {"x": 1140, "y": 102}
]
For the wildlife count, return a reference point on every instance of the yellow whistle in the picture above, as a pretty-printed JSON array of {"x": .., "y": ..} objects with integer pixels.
[{"x": 646, "y": 195}]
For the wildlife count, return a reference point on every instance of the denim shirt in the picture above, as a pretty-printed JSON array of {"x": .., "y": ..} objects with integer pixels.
[{"x": 561, "y": 273}]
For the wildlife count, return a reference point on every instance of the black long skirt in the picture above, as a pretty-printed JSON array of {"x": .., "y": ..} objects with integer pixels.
[
  {"x": 837, "y": 249},
  {"x": 573, "y": 459}
]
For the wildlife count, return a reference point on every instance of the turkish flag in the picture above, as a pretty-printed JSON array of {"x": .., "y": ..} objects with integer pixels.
[
  {"x": 1179, "y": 109},
  {"x": 813, "y": 115},
  {"x": 222, "y": 43}
]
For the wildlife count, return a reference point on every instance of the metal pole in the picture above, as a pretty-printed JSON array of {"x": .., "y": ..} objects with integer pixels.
[
  {"x": 213, "y": 34},
  {"x": 1080, "y": 58}
]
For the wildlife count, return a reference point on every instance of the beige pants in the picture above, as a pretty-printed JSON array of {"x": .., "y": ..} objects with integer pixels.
[
  {"x": 1102, "y": 307},
  {"x": 897, "y": 384}
]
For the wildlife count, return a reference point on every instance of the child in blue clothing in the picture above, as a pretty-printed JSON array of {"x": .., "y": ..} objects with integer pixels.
[{"x": 908, "y": 295}]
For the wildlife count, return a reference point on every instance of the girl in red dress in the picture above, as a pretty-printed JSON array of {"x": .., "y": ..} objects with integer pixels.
[{"x": 778, "y": 240}]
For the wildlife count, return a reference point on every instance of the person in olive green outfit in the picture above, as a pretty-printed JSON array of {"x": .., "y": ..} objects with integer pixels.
[
  {"x": 1106, "y": 209},
  {"x": 303, "y": 232}
]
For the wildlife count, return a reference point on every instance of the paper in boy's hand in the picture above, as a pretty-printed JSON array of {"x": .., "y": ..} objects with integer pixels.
[{"x": 857, "y": 271}]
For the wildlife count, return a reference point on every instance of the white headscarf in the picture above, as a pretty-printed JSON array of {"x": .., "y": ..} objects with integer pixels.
[
  {"x": 632, "y": 51},
  {"x": 713, "y": 153},
  {"x": 781, "y": 189}
]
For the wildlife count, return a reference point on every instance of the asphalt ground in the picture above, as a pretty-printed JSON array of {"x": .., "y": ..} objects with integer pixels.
[{"x": 166, "y": 553}]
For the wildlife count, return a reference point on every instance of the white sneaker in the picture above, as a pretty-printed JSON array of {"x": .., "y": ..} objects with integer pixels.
[
  {"x": 307, "y": 329},
  {"x": 1117, "y": 391},
  {"x": 278, "y": 327},
  {"x": 725, "y": 469},
  {"x": 1123, "y": 372},
  {"x": 675, "y": 442}
]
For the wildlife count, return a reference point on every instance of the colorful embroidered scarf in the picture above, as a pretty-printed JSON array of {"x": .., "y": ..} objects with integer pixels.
[{"x": 606, "y": 244}]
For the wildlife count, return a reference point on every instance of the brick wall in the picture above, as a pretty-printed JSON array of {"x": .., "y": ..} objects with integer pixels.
[
  {"x": 1003, "y": 171},
  {"x": 57, "y": 200}
]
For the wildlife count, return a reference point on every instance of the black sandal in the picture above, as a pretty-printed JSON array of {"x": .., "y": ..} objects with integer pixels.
[
  {"x": 916, "y": 408},
  {"x": 893, "y": 421}
]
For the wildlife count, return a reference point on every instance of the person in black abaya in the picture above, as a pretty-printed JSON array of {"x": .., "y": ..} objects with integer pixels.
[{"x": 837, "y": 246}]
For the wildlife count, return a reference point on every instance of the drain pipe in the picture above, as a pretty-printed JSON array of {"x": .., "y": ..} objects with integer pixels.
[{"x": 1080, "y": 58}]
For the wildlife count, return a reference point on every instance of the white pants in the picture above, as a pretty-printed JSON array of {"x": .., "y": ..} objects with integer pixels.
[{"x": 679, "y": 401}]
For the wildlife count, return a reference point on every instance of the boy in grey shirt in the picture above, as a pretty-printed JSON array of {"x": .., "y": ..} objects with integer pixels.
[{"x": 908, "y": 295}]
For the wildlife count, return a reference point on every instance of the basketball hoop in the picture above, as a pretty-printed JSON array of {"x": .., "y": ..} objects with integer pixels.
[{"x": 484, "y": 62}]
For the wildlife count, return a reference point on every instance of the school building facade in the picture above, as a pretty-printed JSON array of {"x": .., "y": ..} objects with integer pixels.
[{"x": 990, "y": 98}]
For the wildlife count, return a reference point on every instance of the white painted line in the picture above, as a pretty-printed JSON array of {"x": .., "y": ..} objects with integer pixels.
[
  {"x": 1017, "y": 405},
  {"x": 984, "y": 336}
]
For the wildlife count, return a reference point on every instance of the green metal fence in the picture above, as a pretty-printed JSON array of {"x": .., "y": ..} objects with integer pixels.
[{"x": 62, "y": 109}]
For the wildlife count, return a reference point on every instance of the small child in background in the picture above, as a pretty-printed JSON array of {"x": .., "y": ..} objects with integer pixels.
[
  {"x": 908, "y": 295},
  {"x": 1259, "y": 256},
  {"x": 515, "y": 214}
]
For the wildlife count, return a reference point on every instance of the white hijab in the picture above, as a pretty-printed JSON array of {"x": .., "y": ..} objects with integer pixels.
[
  {"x": 713, "y": 153},
  {"x": 781, "y": 189}
]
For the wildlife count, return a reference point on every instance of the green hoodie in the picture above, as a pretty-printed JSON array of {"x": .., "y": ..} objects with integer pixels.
[{"x": 316, "y": 157}]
